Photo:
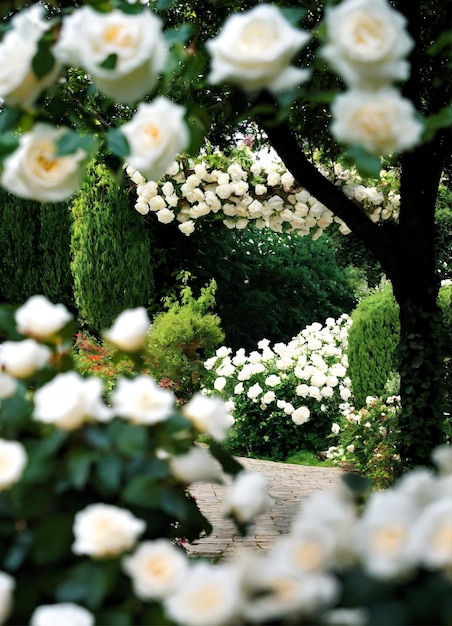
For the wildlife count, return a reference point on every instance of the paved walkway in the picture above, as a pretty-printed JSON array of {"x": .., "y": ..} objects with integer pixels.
[{"x": 288, "y": 484}]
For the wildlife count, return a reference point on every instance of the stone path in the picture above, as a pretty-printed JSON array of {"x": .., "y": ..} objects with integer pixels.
[{"x": 288, "y": 485}]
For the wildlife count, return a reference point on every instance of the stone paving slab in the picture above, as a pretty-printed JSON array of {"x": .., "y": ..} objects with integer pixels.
[{"x": 288, "y": 484}]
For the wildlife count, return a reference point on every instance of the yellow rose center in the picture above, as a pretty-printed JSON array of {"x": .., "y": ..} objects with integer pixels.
[
  {"x": 442, "y": 540},
  {"x": 206, "y": 598},
  {"x": 257, "y": 37},
  {"x": 117, "y": 35},
  {"x": 309, "y": 556},
  {"x": 157, "y": 567},
  {"x": 388, "y": 540}
]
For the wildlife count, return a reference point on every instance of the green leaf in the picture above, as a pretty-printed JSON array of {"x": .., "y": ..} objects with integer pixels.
[
  {"x": 443, "y": 41},
  {"x": 142, "y": 491},
  {"x": 164, "y": 5},
  {"x": 78, "y": 466},
  {"x": 8, "y": 144},
  {"x": 53, "y": 539},
  {"x": 117, "y": 142},
  {"x": 109, "y": 472},
  {"x": 88, "y": 583},
  {"x": 9, "y": 119},
  {"x": 97, "y": 437},
  {"x": 18, "y": 552},
  {"x": 359, "y": 485},
  {"x": 181, "y": 34},
  {"x": 110, "y": 62},
  {"x": 130, "y": 439},
  {"x": 368, "y": 165},
  {"x": 71, "y": 141},
  {"x": 293, "y": 15},
  {"x": 229, "y": 464},
  {"x": 433, "y": 123},
  {"x": 43, "y": 61}
]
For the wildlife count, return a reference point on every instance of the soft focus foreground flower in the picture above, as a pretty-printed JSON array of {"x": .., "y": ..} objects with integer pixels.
[
  {"x": 431, "y": 539},
  {"x": 382, "y": 122},
  {"x": 254, "y": 50},
  {"x": 8, "y": 385},
  {"x": 65, "y": 613},
  {"x": 208, "y": 415},
  {"x": 104, "y": 530},
  {"x": 22, "y": 359},
  {"x": 129, "y": 329},
  {"x": 123, "y": 52},
  {"x": 19, "y": 85},
  {"x": 301, "y": 415},
  {"x": 13, "y": 459},
  {"x": 208, "y": 596},
  {"x": 367, "y": 42},
  {"x": 156, "y": 569},
  {"x": 248, "y": 497},
  {"x": 195, "y": 465},
  {"x": 41, "y": 319},
  {"x": 156, "y": 134},
  {"x": 442, "y": 457},
  {"x": 69, "y": 400},
  {"x": 35, "y": 171},
  {"x": 141, "y": 400},
  {"x": 7, "y": 585}
]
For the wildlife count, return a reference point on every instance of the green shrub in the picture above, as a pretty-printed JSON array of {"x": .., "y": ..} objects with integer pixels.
[
  {"x": 111, "y": 263},
  {"x": 372, "y": 344},
  {"x": 181, "y": 337}
]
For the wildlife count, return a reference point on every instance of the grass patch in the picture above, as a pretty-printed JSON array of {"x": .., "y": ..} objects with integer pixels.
[{"x": 309, "y": 458}]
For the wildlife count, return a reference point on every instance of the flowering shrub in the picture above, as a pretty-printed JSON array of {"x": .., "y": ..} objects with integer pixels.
[
  {"x": 367, "y": 438},
  {"x": 285, "y": 398}
]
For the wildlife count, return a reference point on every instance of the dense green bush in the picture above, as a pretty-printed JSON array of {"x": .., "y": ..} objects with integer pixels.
[
  {"x": 181, "y": 337},
  {"x": 372, "y": 344},
  {"x": 111, "y": 251}
]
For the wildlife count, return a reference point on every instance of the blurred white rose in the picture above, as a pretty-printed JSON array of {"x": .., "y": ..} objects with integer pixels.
[
  {"x": 254, "y": 50},
  {"x": 22, "y": 359},
  {"x": 208, "y": 415},
  {"x": 65, "y": 613},
  {"x": 8, "y": 385},
  {"x": 19, "y": 85},
  {"x": 156, "y": 569},
  {"x": 301, "y": 415},
  {"x": 129, "y": 329},
  {"x": 367, "y": 42},
  {"x": 35, "y": 171},
  {"x": 7, "y": 586},
  {"x": 13, "y": 459},
  {"x": 141, "y": 400},
  {"x": 123, "y": 52},
  {"x": 69, "y": 400},
  {"x": 156, "y": 134},
  {"x": 248, "y": 497},
  {"x": 41, "y": 319},
  {"x": 381, "y": 121},
  {"x": 197, "y": 465},
  {"x": 104, "y": 530}
]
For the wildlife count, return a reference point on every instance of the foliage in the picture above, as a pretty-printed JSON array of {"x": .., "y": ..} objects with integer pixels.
[
  {"x": 373, "y": 342},
  {"x": 181, "y": 337},
  {"x": 284, "y": 399},
  {"x": 443, "y": 219},
  {"x": 110, "y": 251}
]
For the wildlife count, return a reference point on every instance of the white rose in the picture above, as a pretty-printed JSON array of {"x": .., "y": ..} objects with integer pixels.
[
  {"x": 254, "y": 50},
  {"x": 273, "y": 380},
  {"x": 22, "y": 359},
  {"x": 34, "y": 171},
  {"x": 8, "y": 385},
  {"x": 157, "y": 203},
  {"x": 260, "y": 190},
  {"x": 240, "y": 188},
  {"x": 129, "y": 329},
  {"x": 220, "y": 383},
  {"x": 156, "y": 134},
  {"x": 134, "y": 42},
  {"x": 301, "y": 415},
  {"x": 7, "y": 585},
  {"x": 165, "y": 216},
  {"x": 13, "y": 459},
  {"x": 141, "y": 400},
  {"x": 41, "y": 319},
  {"x": 335, "y": 428},
  {"x": 197, "y": 465},
  {"x": 156, "y": 569},
  {"x": 187, "y": 227},
  {"x": 238, "y": 389},
  {"x": 382, "y": 122},
  {"x": 65, "y": 613},
  {"x": 208, "y": 415},
  {"x": 248, "y": 497},
  {"x": 104, "y": 530},
  {"x": 142, "y": 208},
  {"x": 254, "y": 391},
  {"x": 268, "y": 397},
  {"x": 19, "y": 85},
  {"x": 69, "y": 400},
  {"x": 367, "y": 42},
  {"x": 168, "y": 188}
]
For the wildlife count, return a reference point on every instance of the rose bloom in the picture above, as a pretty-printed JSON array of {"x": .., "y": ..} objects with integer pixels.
[
  {"x": 19, "y": 85},
  {"x": 254, "y": 50},
  {"x": 197, "y": 465},
  {"x": 248, "y": 497},
  {"x": 22, "y": 359},
  {"x": 65, "y": 613},
  {"x": 187, "y": 228},
  {"x": 129, "y": 330},
  {"x": 141, "y": 400},
  {"x": 69, "y": 400},
  {"x": 13, "y": 459},
  {"x": 34, "y": 170},
  {"x": 104, "y": 530},
  {"x": 301, "y": 415},
  {"x": 41, "y": 319},
  {"x": 8, "y": 385},
  {"x": 367, "y": 42},
  {"x": 7, "y": 585},
  {"x": 156, "y": 134},
  {"x": 156, "y": 569},
  {"x": 135, "y": 41},
  {"x": 208, "y": 415},
  {"x": 381, "y": 121}
]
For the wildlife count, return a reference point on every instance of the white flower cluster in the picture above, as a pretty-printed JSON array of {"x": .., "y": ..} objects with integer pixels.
[
  {"x": 264, "y": 194},
  {"x": 314, "y": 362},
  {"x": 367, "y": 46}
]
